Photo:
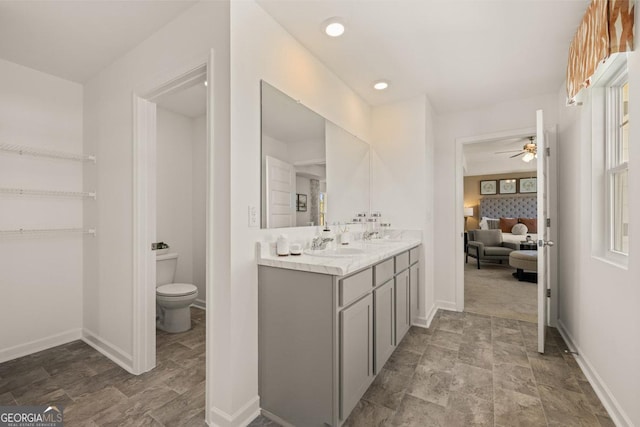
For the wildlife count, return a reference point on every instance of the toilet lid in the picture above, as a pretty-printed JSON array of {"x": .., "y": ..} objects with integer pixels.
[{"x": 176, "y": 289}]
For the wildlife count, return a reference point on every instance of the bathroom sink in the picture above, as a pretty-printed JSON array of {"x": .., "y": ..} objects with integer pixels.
[
  {"x": 336, "y": 253},
  {"x": 381, "y": 241}
]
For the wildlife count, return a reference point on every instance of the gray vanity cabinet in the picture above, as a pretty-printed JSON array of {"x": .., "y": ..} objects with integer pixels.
[
  {"x": 356, "y": 353},
  {"x": 322, "y": 338},
  {"x": 384, "y": 303},
  {"x": 403, "y": 308}
]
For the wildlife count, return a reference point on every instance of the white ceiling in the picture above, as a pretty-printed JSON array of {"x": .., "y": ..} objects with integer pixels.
[
  {"x": 463, "y": 54},
  {"x": 485, "y": 158},
  {"x": 76, "y": 39}
]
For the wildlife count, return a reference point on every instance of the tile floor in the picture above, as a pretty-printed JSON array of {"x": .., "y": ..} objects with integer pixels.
[
  {"x": 95, "y": 392},
  {"x": 474, "y": 370},
  {"x": 465, "y": 370}
]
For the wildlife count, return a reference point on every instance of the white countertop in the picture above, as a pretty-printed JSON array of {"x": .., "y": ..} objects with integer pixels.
[{"x": 336, "y": 266}]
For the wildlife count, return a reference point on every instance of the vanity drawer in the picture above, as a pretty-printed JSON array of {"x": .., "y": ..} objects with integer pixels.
[
  {"x": 354, "y": 286},
  {"x": 383, "y": 271},
  {"x": 414, "y": 255},
  {"x": 402, "y": 261}
]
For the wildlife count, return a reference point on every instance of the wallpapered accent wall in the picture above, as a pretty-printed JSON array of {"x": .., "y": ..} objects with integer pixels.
[{"x": 509, "y": 207}]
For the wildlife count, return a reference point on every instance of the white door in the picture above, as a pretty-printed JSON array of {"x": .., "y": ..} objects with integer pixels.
[
  {"x": 544, "y": 243},
  {"x": 281, "y": 190}
]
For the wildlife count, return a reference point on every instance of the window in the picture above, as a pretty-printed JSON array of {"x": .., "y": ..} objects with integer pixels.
[{"x": 617, "y": 164}]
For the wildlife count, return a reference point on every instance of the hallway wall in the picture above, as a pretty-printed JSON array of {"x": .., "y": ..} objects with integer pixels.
[{"x": 599, "y": 301}]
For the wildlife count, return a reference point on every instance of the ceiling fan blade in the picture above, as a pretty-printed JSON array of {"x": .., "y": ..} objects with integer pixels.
[
  {"x": 516, "y": 155},
  {"x": 510, "y": 151}
]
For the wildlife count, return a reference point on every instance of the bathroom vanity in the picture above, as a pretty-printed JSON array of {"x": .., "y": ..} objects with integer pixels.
[{"x": 328, "y": 324}]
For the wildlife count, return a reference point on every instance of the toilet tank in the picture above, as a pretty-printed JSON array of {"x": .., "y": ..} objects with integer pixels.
[{"x": 166, "y": 268}]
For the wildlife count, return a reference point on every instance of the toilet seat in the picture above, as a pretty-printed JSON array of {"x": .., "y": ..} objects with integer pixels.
[{"x": 176, "y": 290}]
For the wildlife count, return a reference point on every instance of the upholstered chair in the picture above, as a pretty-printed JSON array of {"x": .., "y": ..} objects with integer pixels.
[{"x": 487, "y": 245}]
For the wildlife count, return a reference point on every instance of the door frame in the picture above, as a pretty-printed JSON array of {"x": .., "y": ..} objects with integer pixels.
[
  {"x": 144, "y": 203},
  {"x": 459, "y": 206}
]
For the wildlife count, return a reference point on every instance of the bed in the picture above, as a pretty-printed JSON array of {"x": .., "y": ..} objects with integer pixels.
[{"x": 515, "y": 206}]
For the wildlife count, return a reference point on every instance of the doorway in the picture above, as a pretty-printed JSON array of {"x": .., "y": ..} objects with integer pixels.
[
  {"x": 152, "y": 109},
  {"x": 462, "y": 223},
  {"x": 499, "y": 205}
]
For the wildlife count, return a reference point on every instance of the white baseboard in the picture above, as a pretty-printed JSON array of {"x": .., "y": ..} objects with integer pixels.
[
  {"x": 113, "y": 352},
  {"x": 199, "y": 303},
  {"x": 447, "y": 305},
  {"x": 240, "y": 418},
  {"x": 431, "y": 314},
  {"x": 610, "y": 403},
  {"x": 420, "y": 322},
  {"x": 35, "y": 346}
]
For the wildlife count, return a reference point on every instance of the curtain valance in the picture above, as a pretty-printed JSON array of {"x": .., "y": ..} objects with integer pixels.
[{"x": 606, "y": 28}]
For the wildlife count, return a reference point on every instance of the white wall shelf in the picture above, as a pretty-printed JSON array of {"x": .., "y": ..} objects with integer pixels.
[
  {"x": 46, "y": 231},
  {"x": 31, "y": 192},
  {"x": 38, "y": 152}
]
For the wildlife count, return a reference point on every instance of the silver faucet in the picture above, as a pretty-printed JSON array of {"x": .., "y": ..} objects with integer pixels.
[
  {"x": 368, "y": 235},
  {"x": 320, "y": 242}
]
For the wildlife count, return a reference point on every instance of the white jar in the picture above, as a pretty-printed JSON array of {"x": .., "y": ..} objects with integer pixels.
[
  {"x": 282, "y": 245},
  {"x": 345, "y": 238}
]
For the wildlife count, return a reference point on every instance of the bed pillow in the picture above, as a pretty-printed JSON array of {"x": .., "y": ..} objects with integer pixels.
[
  {"x": 489, "y": 223},
  {"x": 531, "y": 223},
  {"x": 506, "y": 224},
  {"x": 519, "y": 229}
]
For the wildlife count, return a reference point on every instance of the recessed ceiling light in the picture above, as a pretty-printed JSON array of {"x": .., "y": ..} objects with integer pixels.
[
  {"x": 205, "y": 83},
  {"x": 333, "y": 27},
  {"x": 380, "y": 85}
]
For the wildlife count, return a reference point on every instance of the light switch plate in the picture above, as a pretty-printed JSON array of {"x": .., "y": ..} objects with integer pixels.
[{"x": 253, "y": 216}]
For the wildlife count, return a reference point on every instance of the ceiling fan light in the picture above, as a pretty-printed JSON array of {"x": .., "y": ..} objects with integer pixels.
[{"x": 528, "y": 157}]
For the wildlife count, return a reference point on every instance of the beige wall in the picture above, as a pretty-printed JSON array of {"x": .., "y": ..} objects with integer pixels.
[{"x": 472, "y": 192}]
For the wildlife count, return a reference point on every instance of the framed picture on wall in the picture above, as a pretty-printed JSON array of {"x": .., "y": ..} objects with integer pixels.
[
  {"x": 488, "y": 187},
  {"x": 507, "y": 186},
  {"x": 528, "y": 185},
  {"x": 301, "y": 203}
]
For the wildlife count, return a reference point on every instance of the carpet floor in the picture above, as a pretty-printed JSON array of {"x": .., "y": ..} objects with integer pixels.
[{"x": 493, "y": 291}]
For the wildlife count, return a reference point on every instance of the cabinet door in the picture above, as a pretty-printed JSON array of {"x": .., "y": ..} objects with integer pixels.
[
  {"x": 414, "y": 284},
  {"x": 356, "y": 353},
  {"x": 384, "y": 300},
  {"x": 403, "y": 311}
]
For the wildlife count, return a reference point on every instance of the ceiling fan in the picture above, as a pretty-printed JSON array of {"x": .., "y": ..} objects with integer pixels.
[{"x": 529, "y": 150}]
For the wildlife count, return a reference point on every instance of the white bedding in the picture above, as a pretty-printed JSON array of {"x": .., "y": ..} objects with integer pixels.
[{"x": 517, "y": 238}]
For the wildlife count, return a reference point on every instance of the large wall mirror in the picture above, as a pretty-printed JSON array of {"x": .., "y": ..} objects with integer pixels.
[{"x": 313, "y": 171}]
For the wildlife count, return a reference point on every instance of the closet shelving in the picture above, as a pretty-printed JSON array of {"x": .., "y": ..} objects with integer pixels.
[
  {"x": 46, "y": 231},
  {"x": 38, "y": 152},
  {"x": 32, "y": 192}
]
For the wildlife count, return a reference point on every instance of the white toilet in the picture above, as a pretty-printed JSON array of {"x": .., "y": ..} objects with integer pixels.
[{"x": 172, "y": 299}]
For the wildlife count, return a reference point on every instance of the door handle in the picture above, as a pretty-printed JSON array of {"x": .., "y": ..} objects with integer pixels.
[{"x": 542, "y": 243}]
